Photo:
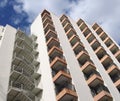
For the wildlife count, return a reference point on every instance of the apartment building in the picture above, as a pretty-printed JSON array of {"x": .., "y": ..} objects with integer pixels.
[
  {"x": 79, "y": 62},
  {"x": 61, "y": 60},
  {"x": 19, "y": 68}
]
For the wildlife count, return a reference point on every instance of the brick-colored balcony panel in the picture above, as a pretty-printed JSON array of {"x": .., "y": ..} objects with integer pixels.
[
  {"x": 117, "y": 83},
  {"x": 103, "y": 36},
  {"x": 95, "y": 26},
  {"x": 67, "y": 95},
  {"x": 47, "y": 27},
  {"x": 50, "y": 34},
  {"x": 92, "y": 42},
  {"x": 53, "y": 42},
  {"x": 70, "y": 32},
  {"x": 61, "y": 77},
  {"x": 74, "y": 39},
  {"x": 46, "y": 21},
  {"x": 46, "y": 16},
  {"x": 99, "y": 30},
  {"x": 105, "y": 58},
  {"x": 117, "y": 54},
  {"x": 67, "y": 26},
  {"x": 78, "y": 46},
  {"x": 58, "y": 64},
  {"x": 103, "y": 96},
  {"x": 82, "y": 26},
  {"x": 45, "y": 12},
  {"x": 63, "y": 17},
  {"x": 82, "y": 55},
  {"x": 86, "y": 32},
  {"x": 112, "y": 69},
  {"x": 100, "y": 48},
  {"x": 55, "y": 51},
  {"x": 79, "y": 22},
  {"x": 65, "y": 21},
  {"x": 87, "y": 67},
  {"x": 94, "y": 80}
]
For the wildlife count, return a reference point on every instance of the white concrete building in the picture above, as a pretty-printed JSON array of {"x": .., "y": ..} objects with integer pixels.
[
  {"x": 79, "y": 62},
  {"x": 18, "y": 66}
]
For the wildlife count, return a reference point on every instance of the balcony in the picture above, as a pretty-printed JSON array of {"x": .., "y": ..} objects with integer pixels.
[
  {"x": 70, "y": 32},
  {"x": 99, "y": 30},
  {"x": 87, "y": 67},
  {"x": 82, "y": 26},
  {"x": 82, "y": 56},
  {"x": 108, "y": 42},
  {"x": 21, "y": 62},
  {"x": 67, "y": 27},
  {"x": 58, "y": 64},
  {"x": 16, "y": 92},
  {"x": 61, "y": 77},
  {"x": 48, "y": 27},
  {"x": 22, "y": 51},
  {"x": 78, "y": 47},
  {"x": 50, "y": 34},
  {"x": 90, "y": 37},
  {"x": 117, "y": 54},
  {"x": 45, "y": 12},
  {"x": 103, "y": 95},
  {"x": 95, "y": 45},
  {"x": 21, "y": 76},
  {"x": 46, "y": 16},
  {"x": 94, "y": 79},
  {"x": 67, "y": 94},
  {"x": 117, "y": 83},
  {"x": 25, "y": 40},
  {"x": 79, "y": 22},
  {"x": 99, "y": 50},
  {"x": 105, "y": 58},
  {"x": 86, "y": 31},
  {"x": 53, "y": 42},
  {"x": 74, "y": 39},
  {"x": 95, "y": 26},
  {"x": 103, "y": 36},
  {"x": 113, "y": 48},
  {"x": 63, "y": 17},
  {"x": 112, "y": 69},
  {"x": 93, "y": 42},
  {"x": 46, "y": 21},
  {"x": 55, "y": 51},
  {"x": 65, "y": 21}
]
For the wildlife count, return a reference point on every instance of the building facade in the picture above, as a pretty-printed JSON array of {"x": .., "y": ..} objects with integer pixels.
[
  {"x": 79, "y": 62},
  {"x": 19, "y": 72},
  {"x": 62, "y": 60}
]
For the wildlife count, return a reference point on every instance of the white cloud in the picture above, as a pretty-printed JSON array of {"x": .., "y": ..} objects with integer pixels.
[{"x": 104, "y": 12}]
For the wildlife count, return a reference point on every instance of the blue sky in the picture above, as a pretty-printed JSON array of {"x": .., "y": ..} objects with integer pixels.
[{"x": 21, "y": 13}]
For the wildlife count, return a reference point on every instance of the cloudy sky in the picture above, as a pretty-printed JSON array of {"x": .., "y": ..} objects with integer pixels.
[{"x": 21, "y": 13}]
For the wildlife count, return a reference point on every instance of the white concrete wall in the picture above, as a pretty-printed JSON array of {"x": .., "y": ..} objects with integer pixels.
[
  {"x": 81, "y": 86},
  {"x": 6, "y": 52},
  {"x": 46, "y": 78},
  {"x": 107, "y": 80}
]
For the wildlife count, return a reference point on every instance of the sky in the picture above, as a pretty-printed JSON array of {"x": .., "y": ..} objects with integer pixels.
[{"x": 21, "y": 13}]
